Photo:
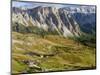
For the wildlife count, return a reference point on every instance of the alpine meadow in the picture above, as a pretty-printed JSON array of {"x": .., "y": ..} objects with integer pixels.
[{"x": 49, "y": 37}]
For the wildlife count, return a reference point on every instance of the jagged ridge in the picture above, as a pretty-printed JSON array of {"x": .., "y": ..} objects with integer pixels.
[{"x": 48, "y": 19}]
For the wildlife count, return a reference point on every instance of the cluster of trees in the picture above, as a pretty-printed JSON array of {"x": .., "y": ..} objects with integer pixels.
[
  {"x": 32, "y": 29},
  {"x": 87, "y": 39}
]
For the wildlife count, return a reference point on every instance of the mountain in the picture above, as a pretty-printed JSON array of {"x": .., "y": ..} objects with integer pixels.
[
  {"x": 87, "y": 21},
  {"x": 81, "y": 9},
  {"x": 85, "y": 17},
  {"x": 37, "y": 41},
  {"x": 64, "y": 21}
]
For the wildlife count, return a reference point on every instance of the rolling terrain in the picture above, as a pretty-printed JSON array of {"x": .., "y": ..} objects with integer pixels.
[
  {"x": 49, "y": 53},
  {"x": 46, "y": 39}
]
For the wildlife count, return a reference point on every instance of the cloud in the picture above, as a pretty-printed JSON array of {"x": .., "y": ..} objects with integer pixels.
[
  {"x": 29, "y": 4},
  {"x": 34, "y": 4}
]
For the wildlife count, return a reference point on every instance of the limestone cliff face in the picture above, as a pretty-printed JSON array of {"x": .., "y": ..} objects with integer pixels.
[{"x": 49, "y": 19}]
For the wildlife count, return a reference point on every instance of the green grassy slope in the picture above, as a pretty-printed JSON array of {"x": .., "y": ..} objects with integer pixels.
[{"x": 50, "y": 53}]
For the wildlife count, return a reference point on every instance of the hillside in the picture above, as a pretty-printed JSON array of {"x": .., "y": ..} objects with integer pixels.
[
  {"x": 49, "y": 53},
  {"x": 47, "y": 38}
]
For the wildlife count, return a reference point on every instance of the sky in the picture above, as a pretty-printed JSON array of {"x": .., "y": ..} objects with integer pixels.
[{"x": 35, "y": 4}]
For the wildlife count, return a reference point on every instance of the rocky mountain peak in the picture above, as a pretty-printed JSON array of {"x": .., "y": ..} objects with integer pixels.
[{"x": 50, "y": 19}]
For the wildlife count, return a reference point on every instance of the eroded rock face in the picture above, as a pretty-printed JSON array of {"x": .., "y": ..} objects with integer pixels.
[{"x": 51, "y": 19}]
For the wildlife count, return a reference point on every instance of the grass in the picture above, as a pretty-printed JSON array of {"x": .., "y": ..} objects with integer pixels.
[
  {"x": 18, "y": 66},
  {"x": 66, "y": 54}
]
